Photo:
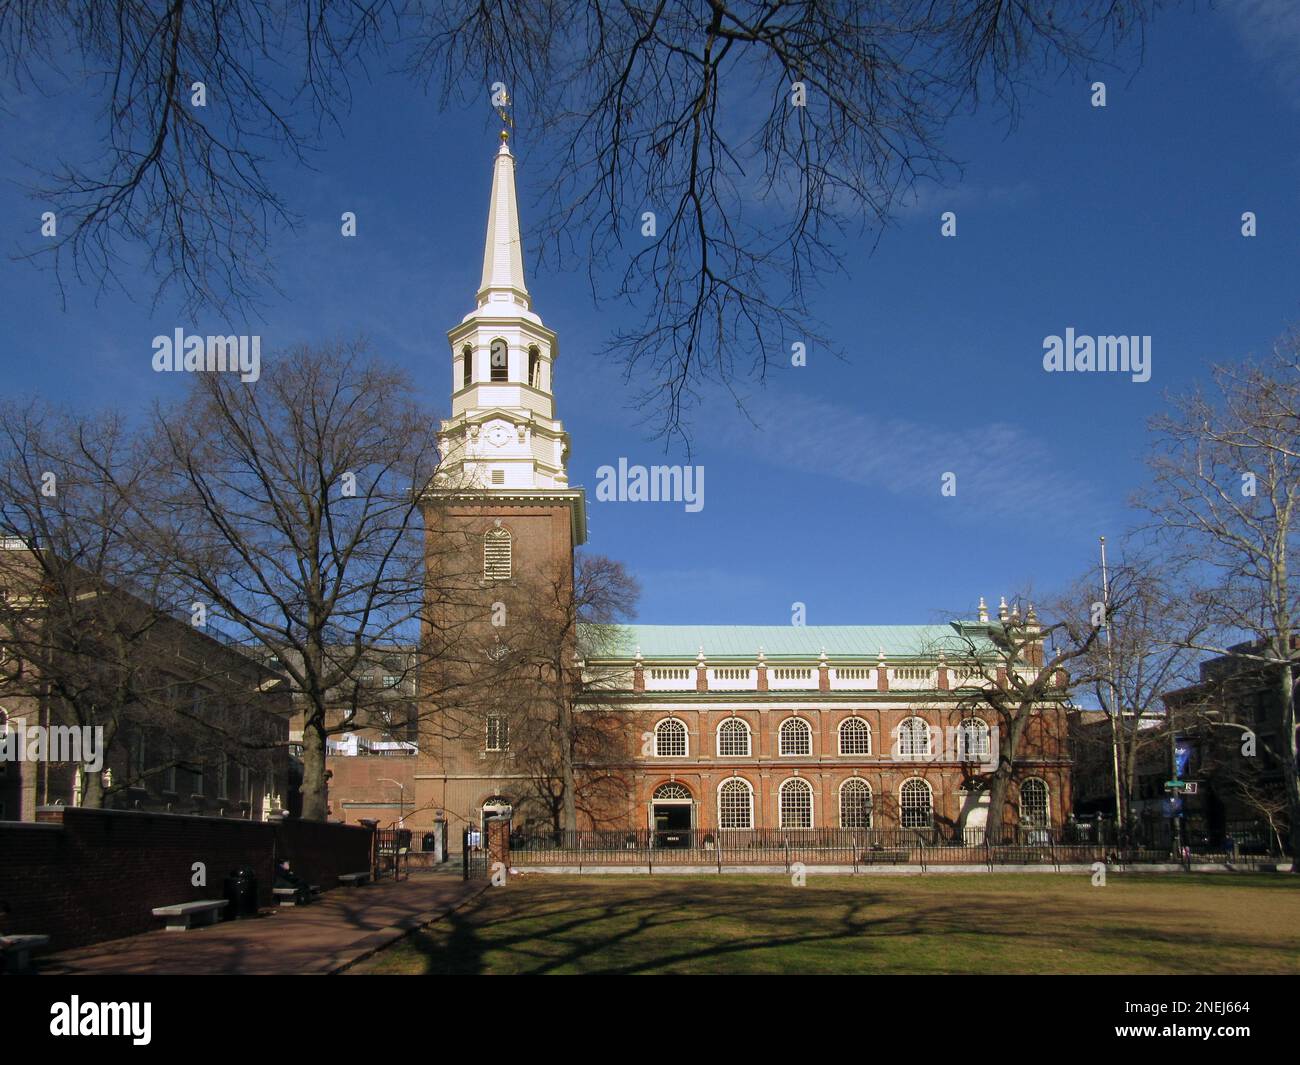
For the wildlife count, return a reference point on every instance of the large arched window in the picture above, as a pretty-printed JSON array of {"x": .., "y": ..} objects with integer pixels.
[
  {"x": 672, "y": 791},
  {"x": 733, "y": 738},
  {"x": 796, "y": 736},
  {"x": 466, "y": 366},
  {"x": 916, "y": 804},
  {"x": 670, "y": 739},
  {"x": 735, "y": 804},
  {"x": 1035, "y": 804},
  {"x": 855, "y": 736},
  {"x": 913, "y": 738},
  {"x": 796, "y": 804},
  {"x": 498, "y": 361},
  {"x": 496, "y": 554},
  {"x": 855, "y": 803},
  {"x": 534, "y": 367},
  {"x": 973, "y": 740}
]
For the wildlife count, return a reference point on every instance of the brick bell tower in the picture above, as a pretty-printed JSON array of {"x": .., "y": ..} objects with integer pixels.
[{"x": 500, "y": 515}]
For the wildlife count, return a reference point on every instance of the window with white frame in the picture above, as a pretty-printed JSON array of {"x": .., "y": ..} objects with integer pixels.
[
  {"x": 796, "y": 804},
  {"x": 672, "y": 790},
  {"x": 496, "y": 554},
  {"x": 913, "y": 738},
  {"x": 733, "y": 738},
  {"x": 670, "y": 739},
  {"x": 855, "y": 736},
  {"x": 973, "y": 740},
  {"x": 466, "y": 366},
  {"x": 795, "y": 736},
  {"x": 498, "y": 733},
  {"x": 1035, "y": 808},
  {"x": 735, "y": 804},
  {"x": 916, "y": 804},
  {"x": 855, "y": 803}
]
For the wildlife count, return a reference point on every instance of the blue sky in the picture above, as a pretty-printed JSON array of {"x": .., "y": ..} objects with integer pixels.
[{"x": 1123, "y": 220}]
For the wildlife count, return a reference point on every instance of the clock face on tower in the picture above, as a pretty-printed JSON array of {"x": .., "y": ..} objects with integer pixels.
[{"x": 498, "y": 433}]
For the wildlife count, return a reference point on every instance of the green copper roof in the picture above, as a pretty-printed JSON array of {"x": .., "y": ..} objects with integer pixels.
[{"x": 780, "y": 641}]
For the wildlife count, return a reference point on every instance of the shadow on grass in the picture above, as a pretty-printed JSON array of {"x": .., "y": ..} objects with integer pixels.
[{"x": 624, "y": 926}]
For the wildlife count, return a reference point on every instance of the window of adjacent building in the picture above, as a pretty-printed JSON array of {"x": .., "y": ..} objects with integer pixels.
[
  {"x": 138, "y": 754},
  {"x": 466, "y": 366},
  {"x": 498, "y": 733},
  {"x": 223, "y": 774},
  {"x": 670, "y": 739},
  {"x": 796, "y": 736},
  {"x": 855, "y": 736},
  {"x": 796, "y": 804},
  {"x": 496, "y": 554},
  {"x": 499, "y": 361},
  {"x": 733, "y": 738},
  {"x": 973, "y": 740},
  {"x": 916, "y": 804},
  {"x": 913, "y": 738},
  {"x": 169, "y": 777},
  {"x": 1035, "y": 810},
  {"x": 855, "y": 803},
  {"x": 392, "y": 680},
  {"x": 735, "y": 804}
]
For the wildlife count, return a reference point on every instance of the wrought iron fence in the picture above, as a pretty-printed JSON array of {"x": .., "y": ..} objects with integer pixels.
[{"x": 924, "y": 847}]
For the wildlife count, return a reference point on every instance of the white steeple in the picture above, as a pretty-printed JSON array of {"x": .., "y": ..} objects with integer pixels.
[
  {"x": 503, "y": 258},
  {"x": 503, "y": 435}
]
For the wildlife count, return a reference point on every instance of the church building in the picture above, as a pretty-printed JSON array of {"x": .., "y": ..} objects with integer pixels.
[{"x": 714, "y": 727}]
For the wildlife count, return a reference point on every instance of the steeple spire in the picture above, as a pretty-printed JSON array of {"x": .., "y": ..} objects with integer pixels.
[{"x": 503, "y": 258}]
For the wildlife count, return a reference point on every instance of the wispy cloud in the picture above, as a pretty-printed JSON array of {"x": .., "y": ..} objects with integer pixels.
[
  {"x": 1270, "y": 31},
  {"x": 1003, "y": 472}
]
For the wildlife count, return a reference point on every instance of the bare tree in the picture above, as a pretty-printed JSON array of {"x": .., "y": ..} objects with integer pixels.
[
  {"x": 760, "y": 133},
  {"x": 571, "y": 744},
  {"x": 1011, "y": 670},
  {"x": 86, "y": 620},
  {"x": 291, "y": 515},
  {"x": 1226, "y": 496}
]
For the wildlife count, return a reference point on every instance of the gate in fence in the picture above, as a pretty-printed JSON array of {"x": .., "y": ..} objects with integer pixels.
[{"x": 474, "y": 855}]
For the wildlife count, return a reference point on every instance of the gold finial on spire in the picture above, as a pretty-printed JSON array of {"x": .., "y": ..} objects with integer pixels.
[{"x": 503, "y": 110}]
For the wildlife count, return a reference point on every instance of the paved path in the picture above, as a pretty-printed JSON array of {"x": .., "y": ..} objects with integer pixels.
[{"x": 340, "y": 928}]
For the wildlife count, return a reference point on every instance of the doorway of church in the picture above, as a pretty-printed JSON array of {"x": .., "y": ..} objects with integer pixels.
[{"x": 672, "y": 824}]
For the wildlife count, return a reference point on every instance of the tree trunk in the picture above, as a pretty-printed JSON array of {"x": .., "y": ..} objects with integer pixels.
[
  {"x": 313, "y": 768},
  {"x": 92, "y": 789},
  {"x": 1289, "y": 766}
]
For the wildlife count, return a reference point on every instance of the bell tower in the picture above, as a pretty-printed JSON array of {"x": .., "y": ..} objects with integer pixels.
[{"x": 503, "y": 437}]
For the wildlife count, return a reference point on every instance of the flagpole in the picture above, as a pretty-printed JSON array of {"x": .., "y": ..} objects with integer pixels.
[{"x": 1114, "y": 688}]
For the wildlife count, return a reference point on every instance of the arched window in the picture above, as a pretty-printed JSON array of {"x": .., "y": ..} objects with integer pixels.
[
  {"x": 534, "y": 367},
  {"x": 467, "y": 366},
  {"x": 796, "y": 804},
  {"x": 672, "y": 790},
  {"x": 913, "y": 738},
  {"x": 733, "y": 738},
  {"x": 496, "y": 554},
  {"x": 973, "y": 740},
  {"x": 670, "y": 739},
  {"x": 1035, "y": 804},
  {"x": 499, "y": 361},
  {"x": 855, "y": 736},
  {"x": 916, "y": 804},
  {"x": 855, "y": 803},
  {"x": 735, "y": 804},
  {"x": 796, "y": 736}
]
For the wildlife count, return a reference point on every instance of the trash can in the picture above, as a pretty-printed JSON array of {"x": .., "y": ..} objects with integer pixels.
[{"x": 241, "y": 891}]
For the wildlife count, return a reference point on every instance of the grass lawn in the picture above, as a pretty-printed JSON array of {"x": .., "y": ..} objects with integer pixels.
[{"x": 1032, "y": 923}]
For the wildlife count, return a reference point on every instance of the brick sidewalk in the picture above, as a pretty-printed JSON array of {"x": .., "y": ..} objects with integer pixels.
[{"x": 343, "y": 926}]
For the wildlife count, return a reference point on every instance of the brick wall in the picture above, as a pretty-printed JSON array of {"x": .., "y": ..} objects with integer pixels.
[{"x": 84, "y": 876}]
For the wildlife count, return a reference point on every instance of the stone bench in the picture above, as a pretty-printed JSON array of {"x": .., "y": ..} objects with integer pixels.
[
  {"x": 185, "y": 915},
  {"x": 17, "y": 951},
  {"x": 354, "y": 879},
  {"x": 290, "y": 896}
]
